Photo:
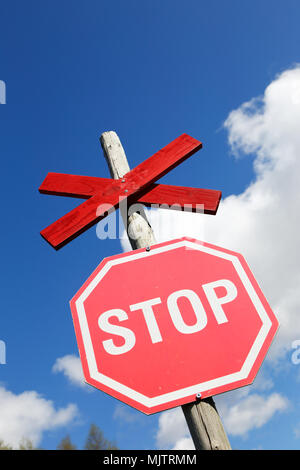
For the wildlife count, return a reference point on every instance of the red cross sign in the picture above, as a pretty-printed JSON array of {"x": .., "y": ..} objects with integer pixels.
[{"x": 138, "y": 185}]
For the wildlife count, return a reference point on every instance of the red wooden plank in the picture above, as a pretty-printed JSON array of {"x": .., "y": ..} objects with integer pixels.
[
  {"x": 87, "y": 214},
  {"x": 182, "y": 196},
  {"x": 79, "y": 219},
  {"x": 84, "y": 187},
  {"x": 163, "y": 161},
  {"x": 61, "y": 184}
]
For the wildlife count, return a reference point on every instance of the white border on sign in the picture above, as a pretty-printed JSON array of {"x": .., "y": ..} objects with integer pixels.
[{"x": 184, "y": 392}]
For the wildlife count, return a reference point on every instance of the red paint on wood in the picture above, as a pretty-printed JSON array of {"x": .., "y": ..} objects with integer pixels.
[
  {"x": 84, "y": 187},
  {"x": 137, "y": 185},
  {"x": 163, "y": 161},
  {"x": 62, "y": 184},
  {"x": 183, "y": 197}
]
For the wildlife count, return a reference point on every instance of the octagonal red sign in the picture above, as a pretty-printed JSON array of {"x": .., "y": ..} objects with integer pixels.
[{"x": 157, "y": 327}]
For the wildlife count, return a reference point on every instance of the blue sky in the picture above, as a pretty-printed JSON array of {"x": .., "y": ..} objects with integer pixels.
[{"x": 150, "y": 71}]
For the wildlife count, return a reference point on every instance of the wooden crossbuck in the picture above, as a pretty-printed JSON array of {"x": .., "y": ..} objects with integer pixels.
[{"x": 138, "y": 185}]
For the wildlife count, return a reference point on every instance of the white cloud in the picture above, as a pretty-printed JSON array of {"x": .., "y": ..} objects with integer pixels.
[
  {"x": 173, "y": 432},
  {"x": 28, "y": 415},
  {"x": 70, "y": 366},
  {"x": 246, "y": 408},
  {"x": 252, "y": 412},
  {"x": 186, "y": 443}
]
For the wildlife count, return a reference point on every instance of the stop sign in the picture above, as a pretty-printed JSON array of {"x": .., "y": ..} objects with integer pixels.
[{"x": 156, "y": 327}]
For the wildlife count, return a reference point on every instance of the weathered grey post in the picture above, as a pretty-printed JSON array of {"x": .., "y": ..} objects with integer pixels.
[{"x": 202, "y": 417}]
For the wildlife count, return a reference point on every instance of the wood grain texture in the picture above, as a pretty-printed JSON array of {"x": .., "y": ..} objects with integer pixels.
[
  {"x": 163, "y": 161},
  {"x": 114, "y": 154},
  {"x": 84, "y": 187},
  {"x": 137, "y": 226},
  {"x": 62, "y": 184},
  {"x": 183, "y": 197},
  {"x": 205, "y": 425},
  {"x": 79, "y": 219}
]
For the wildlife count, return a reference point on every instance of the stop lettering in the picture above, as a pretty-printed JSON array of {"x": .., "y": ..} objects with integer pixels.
[
  {"x": 147, "y": 308},
  {"x": 155, "y": 328}
]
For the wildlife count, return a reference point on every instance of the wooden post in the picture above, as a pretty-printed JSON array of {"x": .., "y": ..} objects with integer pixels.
[
  {"x": 202, "y": 417},
  {"x": 205, "y": 425},
  {"x": 139, "y": 230}
]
